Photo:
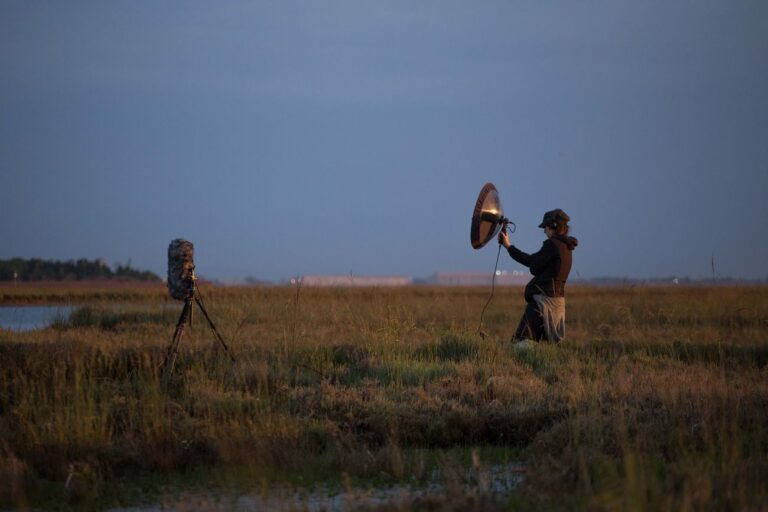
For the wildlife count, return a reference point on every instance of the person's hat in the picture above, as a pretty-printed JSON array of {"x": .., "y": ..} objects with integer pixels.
[{"x": 553, "y": 217}]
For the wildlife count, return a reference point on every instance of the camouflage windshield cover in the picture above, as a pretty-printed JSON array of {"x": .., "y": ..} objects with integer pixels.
[{"x": 181, "y": 269}]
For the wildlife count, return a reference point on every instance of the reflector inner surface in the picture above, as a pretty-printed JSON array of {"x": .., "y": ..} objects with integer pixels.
[{"x": 487, "y": 216}]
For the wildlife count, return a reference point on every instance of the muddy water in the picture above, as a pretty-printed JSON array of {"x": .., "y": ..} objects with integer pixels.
[{"x": 497, "y": 481}]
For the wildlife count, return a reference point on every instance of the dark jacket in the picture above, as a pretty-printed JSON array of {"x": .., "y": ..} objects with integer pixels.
[{"x": 550, "y": 266}]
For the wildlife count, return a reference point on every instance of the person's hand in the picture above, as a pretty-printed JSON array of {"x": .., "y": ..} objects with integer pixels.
[{"x": 504, "y": 239}]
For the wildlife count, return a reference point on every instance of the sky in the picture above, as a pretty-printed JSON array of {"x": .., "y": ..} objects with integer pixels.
[{"x": 300, "y": 137}]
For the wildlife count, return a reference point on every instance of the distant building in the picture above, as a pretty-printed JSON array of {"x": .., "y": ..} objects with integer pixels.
[
  {"x": 503, "y": 277},
  {"x": 352, "y": 280}
]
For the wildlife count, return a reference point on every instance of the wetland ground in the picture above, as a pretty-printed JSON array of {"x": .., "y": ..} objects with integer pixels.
[{"x": 658, "y": 400}]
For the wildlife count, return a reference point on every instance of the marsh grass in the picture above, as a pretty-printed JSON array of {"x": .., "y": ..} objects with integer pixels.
[{"x": 658, "y": 399}]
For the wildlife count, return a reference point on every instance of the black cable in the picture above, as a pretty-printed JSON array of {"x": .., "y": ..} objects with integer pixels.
[
  {"x": 493, "y": 288},
  {"x": 507, "y": 227}
]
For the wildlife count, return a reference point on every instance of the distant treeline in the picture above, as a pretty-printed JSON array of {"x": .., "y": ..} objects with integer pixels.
[{"x": 51, "y": 270}]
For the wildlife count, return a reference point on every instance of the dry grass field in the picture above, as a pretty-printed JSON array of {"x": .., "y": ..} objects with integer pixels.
[{"x": 658, "y": 400}]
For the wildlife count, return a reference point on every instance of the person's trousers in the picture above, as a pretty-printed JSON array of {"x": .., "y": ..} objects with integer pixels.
[{"x": 531, "y": 326}]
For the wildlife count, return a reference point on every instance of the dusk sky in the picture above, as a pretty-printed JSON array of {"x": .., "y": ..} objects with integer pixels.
[{"x": 288, "y": 138}]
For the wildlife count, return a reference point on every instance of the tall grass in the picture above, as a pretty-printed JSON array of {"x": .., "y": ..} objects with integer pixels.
[{"x": 657, "y": 400}]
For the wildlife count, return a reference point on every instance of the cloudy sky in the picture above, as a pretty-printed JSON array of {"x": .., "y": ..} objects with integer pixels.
[{"x": 287, "y": 138}]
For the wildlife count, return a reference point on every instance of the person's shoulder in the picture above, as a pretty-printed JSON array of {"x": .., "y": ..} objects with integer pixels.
[
  {"x": 568, "y": 242},
  {"x": 549, "y": 245}
]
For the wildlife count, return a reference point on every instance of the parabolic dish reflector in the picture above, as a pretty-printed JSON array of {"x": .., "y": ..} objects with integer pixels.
[{"x": 487, "y": 217}]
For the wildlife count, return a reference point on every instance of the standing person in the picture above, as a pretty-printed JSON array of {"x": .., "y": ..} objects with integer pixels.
[{"x": 544, "y": 316}]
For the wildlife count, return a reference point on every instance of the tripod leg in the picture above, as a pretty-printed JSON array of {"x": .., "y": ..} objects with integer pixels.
[
  {"x": 213, "y": 328},
  {"x": 173, "y": 349}
]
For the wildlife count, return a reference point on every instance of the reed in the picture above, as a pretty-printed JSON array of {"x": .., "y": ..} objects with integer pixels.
[{"x": 657, "y": 400}]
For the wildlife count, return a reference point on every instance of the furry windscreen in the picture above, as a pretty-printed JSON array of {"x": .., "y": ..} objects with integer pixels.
[{"x": 181, "y": 268}]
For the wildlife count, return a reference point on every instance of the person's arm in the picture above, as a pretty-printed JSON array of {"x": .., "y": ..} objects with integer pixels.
[{"x": 519, "y": 256}]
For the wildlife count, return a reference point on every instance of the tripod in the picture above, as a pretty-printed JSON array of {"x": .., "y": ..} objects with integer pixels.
[{"x": 186, "y": 319}]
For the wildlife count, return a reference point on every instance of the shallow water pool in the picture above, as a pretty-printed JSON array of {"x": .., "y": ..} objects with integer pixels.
[{"x": 29, "y": 318}]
